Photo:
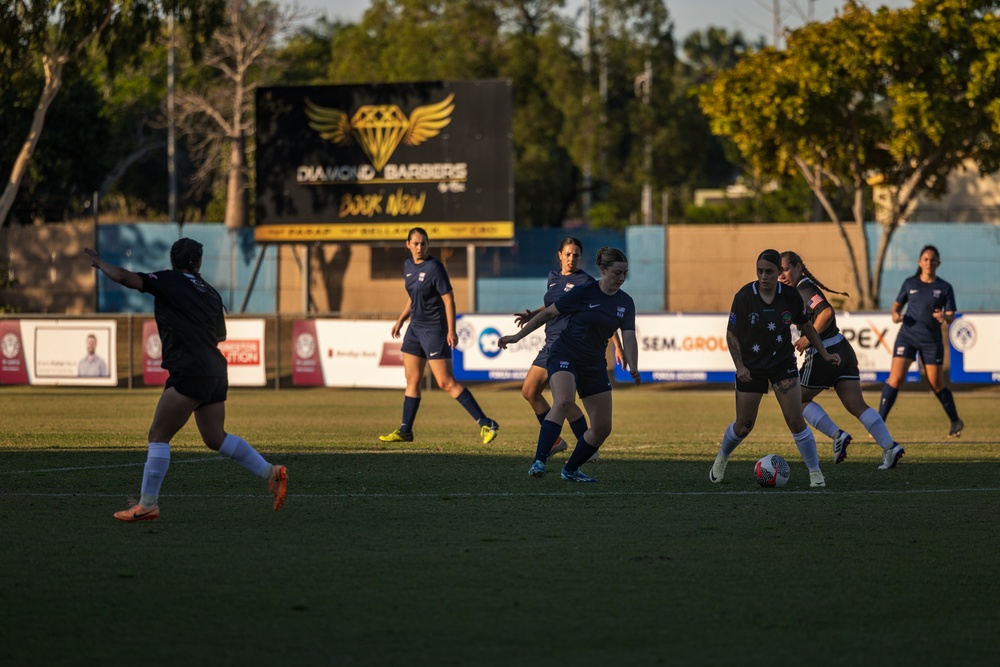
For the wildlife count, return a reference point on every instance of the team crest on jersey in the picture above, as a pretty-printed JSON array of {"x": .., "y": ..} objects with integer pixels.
[
  {"x": 420, "y": 276},
  {"x": 568, "y": 287},
  {"x": 936, "y": 293},
  {"x": 621, "y": 312},
  {"x": 754, "y": 318},
  {"x": 786, "y": 317}
]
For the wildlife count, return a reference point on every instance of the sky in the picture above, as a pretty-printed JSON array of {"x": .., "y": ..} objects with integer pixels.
[{"x": 753, "y": 18}]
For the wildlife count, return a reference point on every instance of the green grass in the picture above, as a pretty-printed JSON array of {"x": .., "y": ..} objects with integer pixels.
[{"x": 443, "y": 552}]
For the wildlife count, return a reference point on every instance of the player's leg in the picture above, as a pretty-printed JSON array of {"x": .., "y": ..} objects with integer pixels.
[
  {"x": 172, "y": 411},
  {"x": 747, "y": 404},
  {"x": 935, "y": 378},
  {"x": 413, "y": 371},
  {"x": 789, "y": 396},
  {"x": 445, "y": 378},
  {"x": 599, "y": 411},
  {"x": 897, "y": 374}
]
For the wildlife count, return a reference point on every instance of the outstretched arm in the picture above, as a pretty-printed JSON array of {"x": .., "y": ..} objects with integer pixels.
[
  {"x": 538, "y": 320},
  {"x": 118, "y": 274}
]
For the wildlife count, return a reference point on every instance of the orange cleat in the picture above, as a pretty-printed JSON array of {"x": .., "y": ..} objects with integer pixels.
[
  {"x": 278, "y": 483},
  {"x": 138, "y": 513},
  {"x": 559, "y": 446}
]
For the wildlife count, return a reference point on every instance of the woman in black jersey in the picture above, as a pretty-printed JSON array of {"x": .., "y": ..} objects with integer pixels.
[
  {"x": 759, "y": 340},
  {"x": 191, "y": 321},
  {"x": 577, "y": 363},
  {"x": 816, "y": 374}
]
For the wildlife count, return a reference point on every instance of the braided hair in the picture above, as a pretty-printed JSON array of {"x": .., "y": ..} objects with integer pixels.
[{"x": 793, "y": 258}]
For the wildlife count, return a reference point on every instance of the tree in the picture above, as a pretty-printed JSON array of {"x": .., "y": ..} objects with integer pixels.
[
  {"x": 215, "y": 105},
  {"x": 900, "y": 97},
  {"x": 49, "y": 34}
]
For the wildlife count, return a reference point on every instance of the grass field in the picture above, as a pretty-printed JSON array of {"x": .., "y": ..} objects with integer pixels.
[{"x": 444, "y": 552}]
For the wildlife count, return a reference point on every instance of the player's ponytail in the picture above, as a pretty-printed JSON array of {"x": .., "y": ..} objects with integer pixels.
[{"x": 793, "y": 258}]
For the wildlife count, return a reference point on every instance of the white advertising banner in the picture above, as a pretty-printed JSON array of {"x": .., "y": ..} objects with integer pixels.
[
  {"x": 975, "y": 347},
  {"x": 70, "y": 352},
  {"x": 477, "y": 357},
  {"x": 347, "y": 353},
  {"x": 244, "y": 352},
  {"x": 692, "y": 348}
]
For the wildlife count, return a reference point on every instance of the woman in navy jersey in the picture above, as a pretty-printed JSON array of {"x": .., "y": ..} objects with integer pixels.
[
  {"x": 191, "y": 322},
  {"x": 760, "y": 343},
  {"x": 929, "y": 302},
  {"x": 817, "y": 375},
  {"x": 577, "y": 363},
  {"x": 430, "y": 338},
  {"x": 568, "y": 276}
]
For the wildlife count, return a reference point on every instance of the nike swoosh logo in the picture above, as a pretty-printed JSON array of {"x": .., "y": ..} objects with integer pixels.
[
  {"x": 552, "y": 284},
  {"x": 434, "y": 354},
  {"x": 913, "y": 291},
  {"x": 594, "y": 305},
  {"x": 408, "y": 275}
]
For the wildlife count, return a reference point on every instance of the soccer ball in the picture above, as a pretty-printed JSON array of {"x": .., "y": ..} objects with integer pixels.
[{"x": 771, "y": 470}]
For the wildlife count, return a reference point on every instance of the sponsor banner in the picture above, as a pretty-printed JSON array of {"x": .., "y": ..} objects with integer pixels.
[
  {"x": 243, "y": 349},
  {"x": 13, "y": 369},
  {"x": 367, "y": 162},
  {"x": 975, "y": 347},
  {"x": 477, "y": 357},
  {"x": 153, "y": 373},
  {"x": 60, "y": 352},
  {"x": 346, "y": 353},
  {"x": 692, "y": 348}
]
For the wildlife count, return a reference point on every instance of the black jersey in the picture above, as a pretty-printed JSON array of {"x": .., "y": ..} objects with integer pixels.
[
  {"x": 593, "y": 317},
  {"x": 815, "y": 302},
  {"x": 191, "y": 321},
  {"x": 764, "y": 329},
  {"x": 426, "y": 283}
]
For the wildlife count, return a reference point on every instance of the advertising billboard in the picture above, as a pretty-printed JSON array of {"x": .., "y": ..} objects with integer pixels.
[{"x": 365, "y": 163}]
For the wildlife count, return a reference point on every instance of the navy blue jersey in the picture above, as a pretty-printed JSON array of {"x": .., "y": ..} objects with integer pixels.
[
  {"x": 558, "y": 286},
  {"x": 191, "y": 322},
  {"x": 593, "y": 317},
  {"x": 426, "y": 283},
  {"x": 921, "y": 300},
  {"x": 815, "y": 302},
  {"x": 764, "y": 329}
]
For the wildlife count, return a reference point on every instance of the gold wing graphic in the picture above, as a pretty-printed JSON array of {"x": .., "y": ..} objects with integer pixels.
[
  {"x": 331, "y": 124},
  {"x": 426, "y": 121}
]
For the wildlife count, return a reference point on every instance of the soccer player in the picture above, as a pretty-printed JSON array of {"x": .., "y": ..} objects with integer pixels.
[
  {"x": 430, "y": 338},
  {"x": 930, "y": 302},
  {"x": 759, "y": 339},
  {"x": 569, "y": 276},
  {"x": 817, "y": 375},
  {"x": 190, "y": 317},
  {"x": 577, "y": 363}
]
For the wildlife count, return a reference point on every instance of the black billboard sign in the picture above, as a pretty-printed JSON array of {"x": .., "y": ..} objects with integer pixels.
[{"x": 367, "y": 162}]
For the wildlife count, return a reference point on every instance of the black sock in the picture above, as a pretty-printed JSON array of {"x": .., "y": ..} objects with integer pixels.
[
  {"x": 580, "y": 455},
  {"x": 888, "y": 398},
  {"x": 948, "y": 402}
]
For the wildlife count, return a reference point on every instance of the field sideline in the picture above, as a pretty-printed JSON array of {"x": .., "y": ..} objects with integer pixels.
[{"x": 444, "y": 552}]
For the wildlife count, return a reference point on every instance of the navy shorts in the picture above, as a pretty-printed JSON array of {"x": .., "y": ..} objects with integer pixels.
[
  {"x": 590, "y": 379},
  {"x": 818, "y": 374},
  {"x": 542, "y": 358},
  {"x": 426, "y": 344},
  {"x": 930, "y": 353},
  {"x": 204, "y": 389},
  {"x": 761, "y": 379}
]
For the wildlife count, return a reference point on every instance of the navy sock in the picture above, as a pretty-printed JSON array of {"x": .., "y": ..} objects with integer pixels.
[
  {"x": 580, "y": 455},
  {"x": 547, "y": 436},
  {"x": 410, "y": 407},
  {"x": 579, "y": 426},
  {"x": 888, "y": 398},
  {"x": 469, "y": 403},
  {"x": 948, "y": 402},
  {"x": 541, "y": 418}
]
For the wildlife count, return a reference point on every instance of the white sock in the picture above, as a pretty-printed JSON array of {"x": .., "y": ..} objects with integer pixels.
[
  {"x": 240, "y": 451},
  {"x": 807, "y": 448},
  {"x": 730, "y": 441},
  {"x": 157, "y": 462},
  {"x": 873, "y": 422},
  {"x": 819, "y": 420}
]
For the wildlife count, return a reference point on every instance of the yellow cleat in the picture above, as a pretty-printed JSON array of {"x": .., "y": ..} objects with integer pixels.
[
  {"x": 397, "y": 436},
  {"x": 490, "y": 432}
]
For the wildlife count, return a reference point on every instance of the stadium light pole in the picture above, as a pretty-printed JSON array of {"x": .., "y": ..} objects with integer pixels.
[{"x": 171, "y": 130}]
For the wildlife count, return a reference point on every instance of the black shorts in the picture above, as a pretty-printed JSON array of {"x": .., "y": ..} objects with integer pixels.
[
  {"x": 818, "y": 374},
  {"x": 204, "y": 389},
  {"x": 761, "y": 379},
  {"x": 426, "y": 344},
  {"x": 590, "y": 379}
]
